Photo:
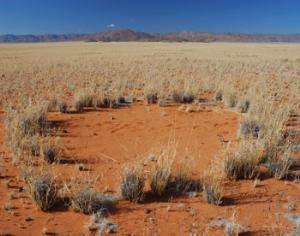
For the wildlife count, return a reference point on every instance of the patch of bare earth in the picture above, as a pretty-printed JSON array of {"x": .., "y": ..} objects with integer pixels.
[{"x": 104, "y": 141}]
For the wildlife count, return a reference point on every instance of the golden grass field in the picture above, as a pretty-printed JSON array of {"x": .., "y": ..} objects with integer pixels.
[{"x": 150, "y": 138}]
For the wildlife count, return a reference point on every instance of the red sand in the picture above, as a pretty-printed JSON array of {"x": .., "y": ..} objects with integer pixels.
[{"x": 109, "y": 139}]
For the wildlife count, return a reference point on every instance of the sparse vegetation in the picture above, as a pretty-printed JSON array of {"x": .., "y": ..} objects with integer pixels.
[
  {"x": 50, "y": 151},
  {"x": 219, "y": 95},
  {"x": 62, "y": 107},
  {"x": 232, "y": 228},
  {"x": 244, "y": 106},
  {"x": 187, "y": 98},
  {"x": 243, "y": 162},
  {"x": 249, "y": 129},
  {"x": 43, "y": 190},
  {"x": 161, "y": 175},
  {"x": 183, "y": 183},
  {"x": 82, "y": 99},
  {"x": 184, "y": 97},
  {"x": 231, "y": 99},
  {"x": 132, "y": 185},
  {"x": 280, "y": 164},
  {"x": 263, "y": 88},
  {"x": 213, "y": 190},
  {"x": 90, "y": 201},
  {"x": 151, "y": 98}
]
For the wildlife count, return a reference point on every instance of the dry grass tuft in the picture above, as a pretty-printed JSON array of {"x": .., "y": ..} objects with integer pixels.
[
  {"x": 183, "y": 97},
  {"x": 187, "y": 97},
  {"x": 181, "y": 180},
  {"x": 23, "y": 128},
  {"x": 43, "y": 190},
  {"x": 90, "y": 201},
  {"x": 213, "y": 190},
  {"x": 151, "y": 98},
  {"x": 62, "y": 107},
  {"x": 243, "y": 162},
  {"x": 280, "y": 163},
  {"x": 219, "y": 96},
  {"x": 243, "y": 106},
  {"x": 231, "y": 99},
  {"x": 82, "y": 99},
  {"x": 183, "y": 183},
  {"x": 50, "y": 151},
  {"x": 249, "y": 129},
  {"x": 31, "y": 145},
  {"x": 161, "y": 175},
  {"x": 132, "y": 185}
]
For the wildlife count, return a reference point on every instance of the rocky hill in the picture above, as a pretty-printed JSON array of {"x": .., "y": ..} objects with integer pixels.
[{"x": 126, "y": 35}]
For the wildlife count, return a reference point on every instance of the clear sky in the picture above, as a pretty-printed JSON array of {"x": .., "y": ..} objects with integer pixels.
[{"x": 81, "y": 16}]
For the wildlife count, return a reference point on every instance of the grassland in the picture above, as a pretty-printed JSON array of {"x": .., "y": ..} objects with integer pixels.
[{"x": 144, "y": 138}]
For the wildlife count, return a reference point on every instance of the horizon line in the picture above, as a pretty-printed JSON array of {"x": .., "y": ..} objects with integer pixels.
[{"x": 152, "y": 32}]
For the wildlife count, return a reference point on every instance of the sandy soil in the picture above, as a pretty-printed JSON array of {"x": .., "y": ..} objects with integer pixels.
[{"x": 107, "y": 140}]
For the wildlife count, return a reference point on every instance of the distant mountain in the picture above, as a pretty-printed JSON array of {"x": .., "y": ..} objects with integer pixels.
[
  {"x": 10, "y": 38},
  {"x": 126, "y": 35},
  {"x": 121, "y": 35}
]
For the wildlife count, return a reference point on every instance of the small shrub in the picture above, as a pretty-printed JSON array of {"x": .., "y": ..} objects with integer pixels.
[
  {"x": 33, "y": 120},
  {"x": 159, "y": 181},
  {"x": 183, "y": 97},
  {"x": 249, "y": 129},
  {"x": 132, "y": 185},
  {"x": 280, "y": 168},
  {"x": 43, "y": 191},
  {"x": 90, "y": 201},
  {"x": 31, "y": 145},
  {"x": 82, "y": 99},
  {"x": 181, "y": 180},
  {"x": 62, "y": 107},
  {"x": 49, "y": 152},
  {"x": 79, "y": 106},
  {"x": 176, "y": 96},
  {"x": 161, "y": 175},
  {"x": 106, "y": 103},
  {"x": 239, "y": 168},
  {"x": 231, "y": 100},
  {"x": 121, "y": 100},
  {"x": 213, "y": 190},
  {"x": 88, "y": 101},
  {"x": 219, "y": 96},
  {"x": 22, "y": 128},
  {"x": 280, "y": 164},
  {"x": 243, "y": 162},
  {"x": 187, "y": 98},
  {"x": 52, "y": 105},
  {"x": 26, "y": 174},
  {"x": 244, "y": 106},
  {"x": 182, "y": 183},
  {"x": 233, "y": 229},
  {"x": 151, "y": 98},
  {"x": 97, "y": 101}
]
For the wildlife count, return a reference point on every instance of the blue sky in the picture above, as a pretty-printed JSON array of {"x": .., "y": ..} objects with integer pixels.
[{"x": 81, "y": 16}]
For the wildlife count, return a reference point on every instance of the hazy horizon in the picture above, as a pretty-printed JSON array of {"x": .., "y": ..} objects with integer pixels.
[{"x": 116, "y": 29}]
